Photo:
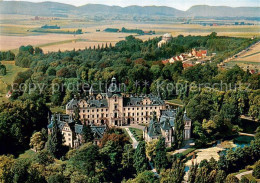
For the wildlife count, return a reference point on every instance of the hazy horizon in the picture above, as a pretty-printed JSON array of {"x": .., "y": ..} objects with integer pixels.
[{"x": 178, "y": 4}]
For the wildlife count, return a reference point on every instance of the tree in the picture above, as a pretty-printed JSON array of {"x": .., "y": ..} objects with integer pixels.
[
  {"x": 77, "y": 116},
  {"x": 20, "y": 170},
  {"x": 128, "y": 161},
  {"x": 192, "y": 173},
  {"x": 2, "y": 70},
  {"x": 57, "y": 178},
  {"x": 244, "y": 180},
  {"x": 231, "y": 179},
  {"x": 160, "y": 159},
  {"x": 144, "y": 177},
  {"x": 55, "y": 140},
  {"x": 43, "y": 157},
  {"x": 179, "y": 128},
  {"x": 87, "y": 134},
  {"x": 140, "y": 160},
  {"x": 177, "y": 172},
  {"x": 37, "y": 141},
  {"x": 85, "y": 160},
  {"x": 6, "y": 163},
  {"x": 256, "y": 170},
  {"x": 150, "y": 149}
]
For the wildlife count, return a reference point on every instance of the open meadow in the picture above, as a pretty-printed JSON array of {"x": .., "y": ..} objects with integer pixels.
[
  {"x": 18, "y": 30},
  {"x": 8, "y": 79}
]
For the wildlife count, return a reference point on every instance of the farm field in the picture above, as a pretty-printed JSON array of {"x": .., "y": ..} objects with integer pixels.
[
  {"x": 19, "y": 31},
  {"x": 248, "y": 59}
]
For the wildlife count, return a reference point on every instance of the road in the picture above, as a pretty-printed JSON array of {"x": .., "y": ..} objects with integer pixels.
[
  {"x": 135, "y": 143},
  {"x": 239, "y": 176}
]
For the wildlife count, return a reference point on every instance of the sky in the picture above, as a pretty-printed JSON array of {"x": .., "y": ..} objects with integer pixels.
[{"x": 179, "y": 4}]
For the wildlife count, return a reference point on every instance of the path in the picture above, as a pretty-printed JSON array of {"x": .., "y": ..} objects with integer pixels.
[
  {"x": 189, "y": 144},
  {"x": 247, "y": 134},
  {"x": 135, "y": 143},
  {"x": 239, "y": 176}
]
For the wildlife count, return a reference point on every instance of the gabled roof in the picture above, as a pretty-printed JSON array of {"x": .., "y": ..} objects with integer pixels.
[
  {"x": 97, "y": 130},
  {"x": 72, "y": 104},
  {"x": 98, "y": 103}
]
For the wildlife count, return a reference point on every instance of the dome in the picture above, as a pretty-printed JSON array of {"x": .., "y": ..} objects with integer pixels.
[{"x": 167, "y": 35}]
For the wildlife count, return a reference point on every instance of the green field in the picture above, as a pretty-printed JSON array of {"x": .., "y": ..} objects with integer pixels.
[{"x": 8, "y": 79}]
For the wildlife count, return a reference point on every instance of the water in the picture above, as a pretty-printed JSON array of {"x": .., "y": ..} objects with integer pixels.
[
  {"x": 187, "y": 168},
  {"x": 240, "y": 141}
]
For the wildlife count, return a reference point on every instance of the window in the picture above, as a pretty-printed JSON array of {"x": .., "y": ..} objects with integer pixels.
[
  {"x": 137, "y": 114},
  {"x": 92, "y": 116},
  {"x": 129, "y": 114},
  {"x": 88, "y": 116},
  {"x": 101, "y": 110},
  {"x": 133, "y": 114},
  {"x": 69, "y": 138},
  {"x": 133, "y": 108},
  {"x": 92, "y": 110},
  {"x": 83, "y": 111},
  {"x": 115, "y": 106},
  {"x": 106, "y": 115},
  {"x": 155, "y": 107},
  {"x": 97, "y": 115},
  {"x": 137, "y": 108},
  {"x": 88, "y": 110},
  {"x": 69, "y": 134},
  {"x": 128, "y": 108},
  {"x": 106, "y": 109},
  {"x": 97, "y": 110},
  {"x": 150, "y": 107}
]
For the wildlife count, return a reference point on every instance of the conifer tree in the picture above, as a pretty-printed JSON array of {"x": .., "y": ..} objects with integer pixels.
[
  {"x": 140, "y": 160},
  {"x": 160, "y": 159},
  {"x": 55, "y": 140},
  {"x": 87, "y": 134}
]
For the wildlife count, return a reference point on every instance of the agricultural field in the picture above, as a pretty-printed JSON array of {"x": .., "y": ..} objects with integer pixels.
[
  {"x": 18, "y": 30},
  {"x": 250, "y": 58}
]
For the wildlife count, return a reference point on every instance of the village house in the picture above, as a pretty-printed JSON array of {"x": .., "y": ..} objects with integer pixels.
[{"x": 165, "y": 127}]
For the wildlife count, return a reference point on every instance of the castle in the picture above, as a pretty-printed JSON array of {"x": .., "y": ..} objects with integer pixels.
[
  {"x": 113, "y": 109},
  {"x": 116, "y": 109}
]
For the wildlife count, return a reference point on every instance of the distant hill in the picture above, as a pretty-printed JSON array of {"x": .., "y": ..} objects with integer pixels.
[
  {"x": 223, "y": 11},
  {"x": 61, "y": 10}
]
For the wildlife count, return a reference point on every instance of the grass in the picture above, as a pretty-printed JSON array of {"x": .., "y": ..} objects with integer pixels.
[
  {"x": 8, "y": 79},
  {"x": 12, "y": 71},
  {"x": 176, "y": 102},
  {"x": 138, "y": 134},
  {"x": 56, "y": 109},
  {"x": 27, "y": 154},
  {"x": 188, "y": 151}
]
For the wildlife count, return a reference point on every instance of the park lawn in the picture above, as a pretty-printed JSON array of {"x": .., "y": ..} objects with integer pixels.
[
  {"x": 12, "y": 71},
  {"x": 27, "y": 154},
  {"x": 188, "y": 151},
  {"x": 8, "y": 79},
  {"x": 138, "y": 134},
  {"x": 176, "y": 102}
]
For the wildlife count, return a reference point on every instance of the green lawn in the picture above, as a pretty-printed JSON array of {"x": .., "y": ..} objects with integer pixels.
[
  {"x": 176, "y": 102},
  {"x": 138, "y": 134},
  {"x": 188, "y": 151},
  {"x": 8, "y": 79},
  {"x": 27, "y": 154}
]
